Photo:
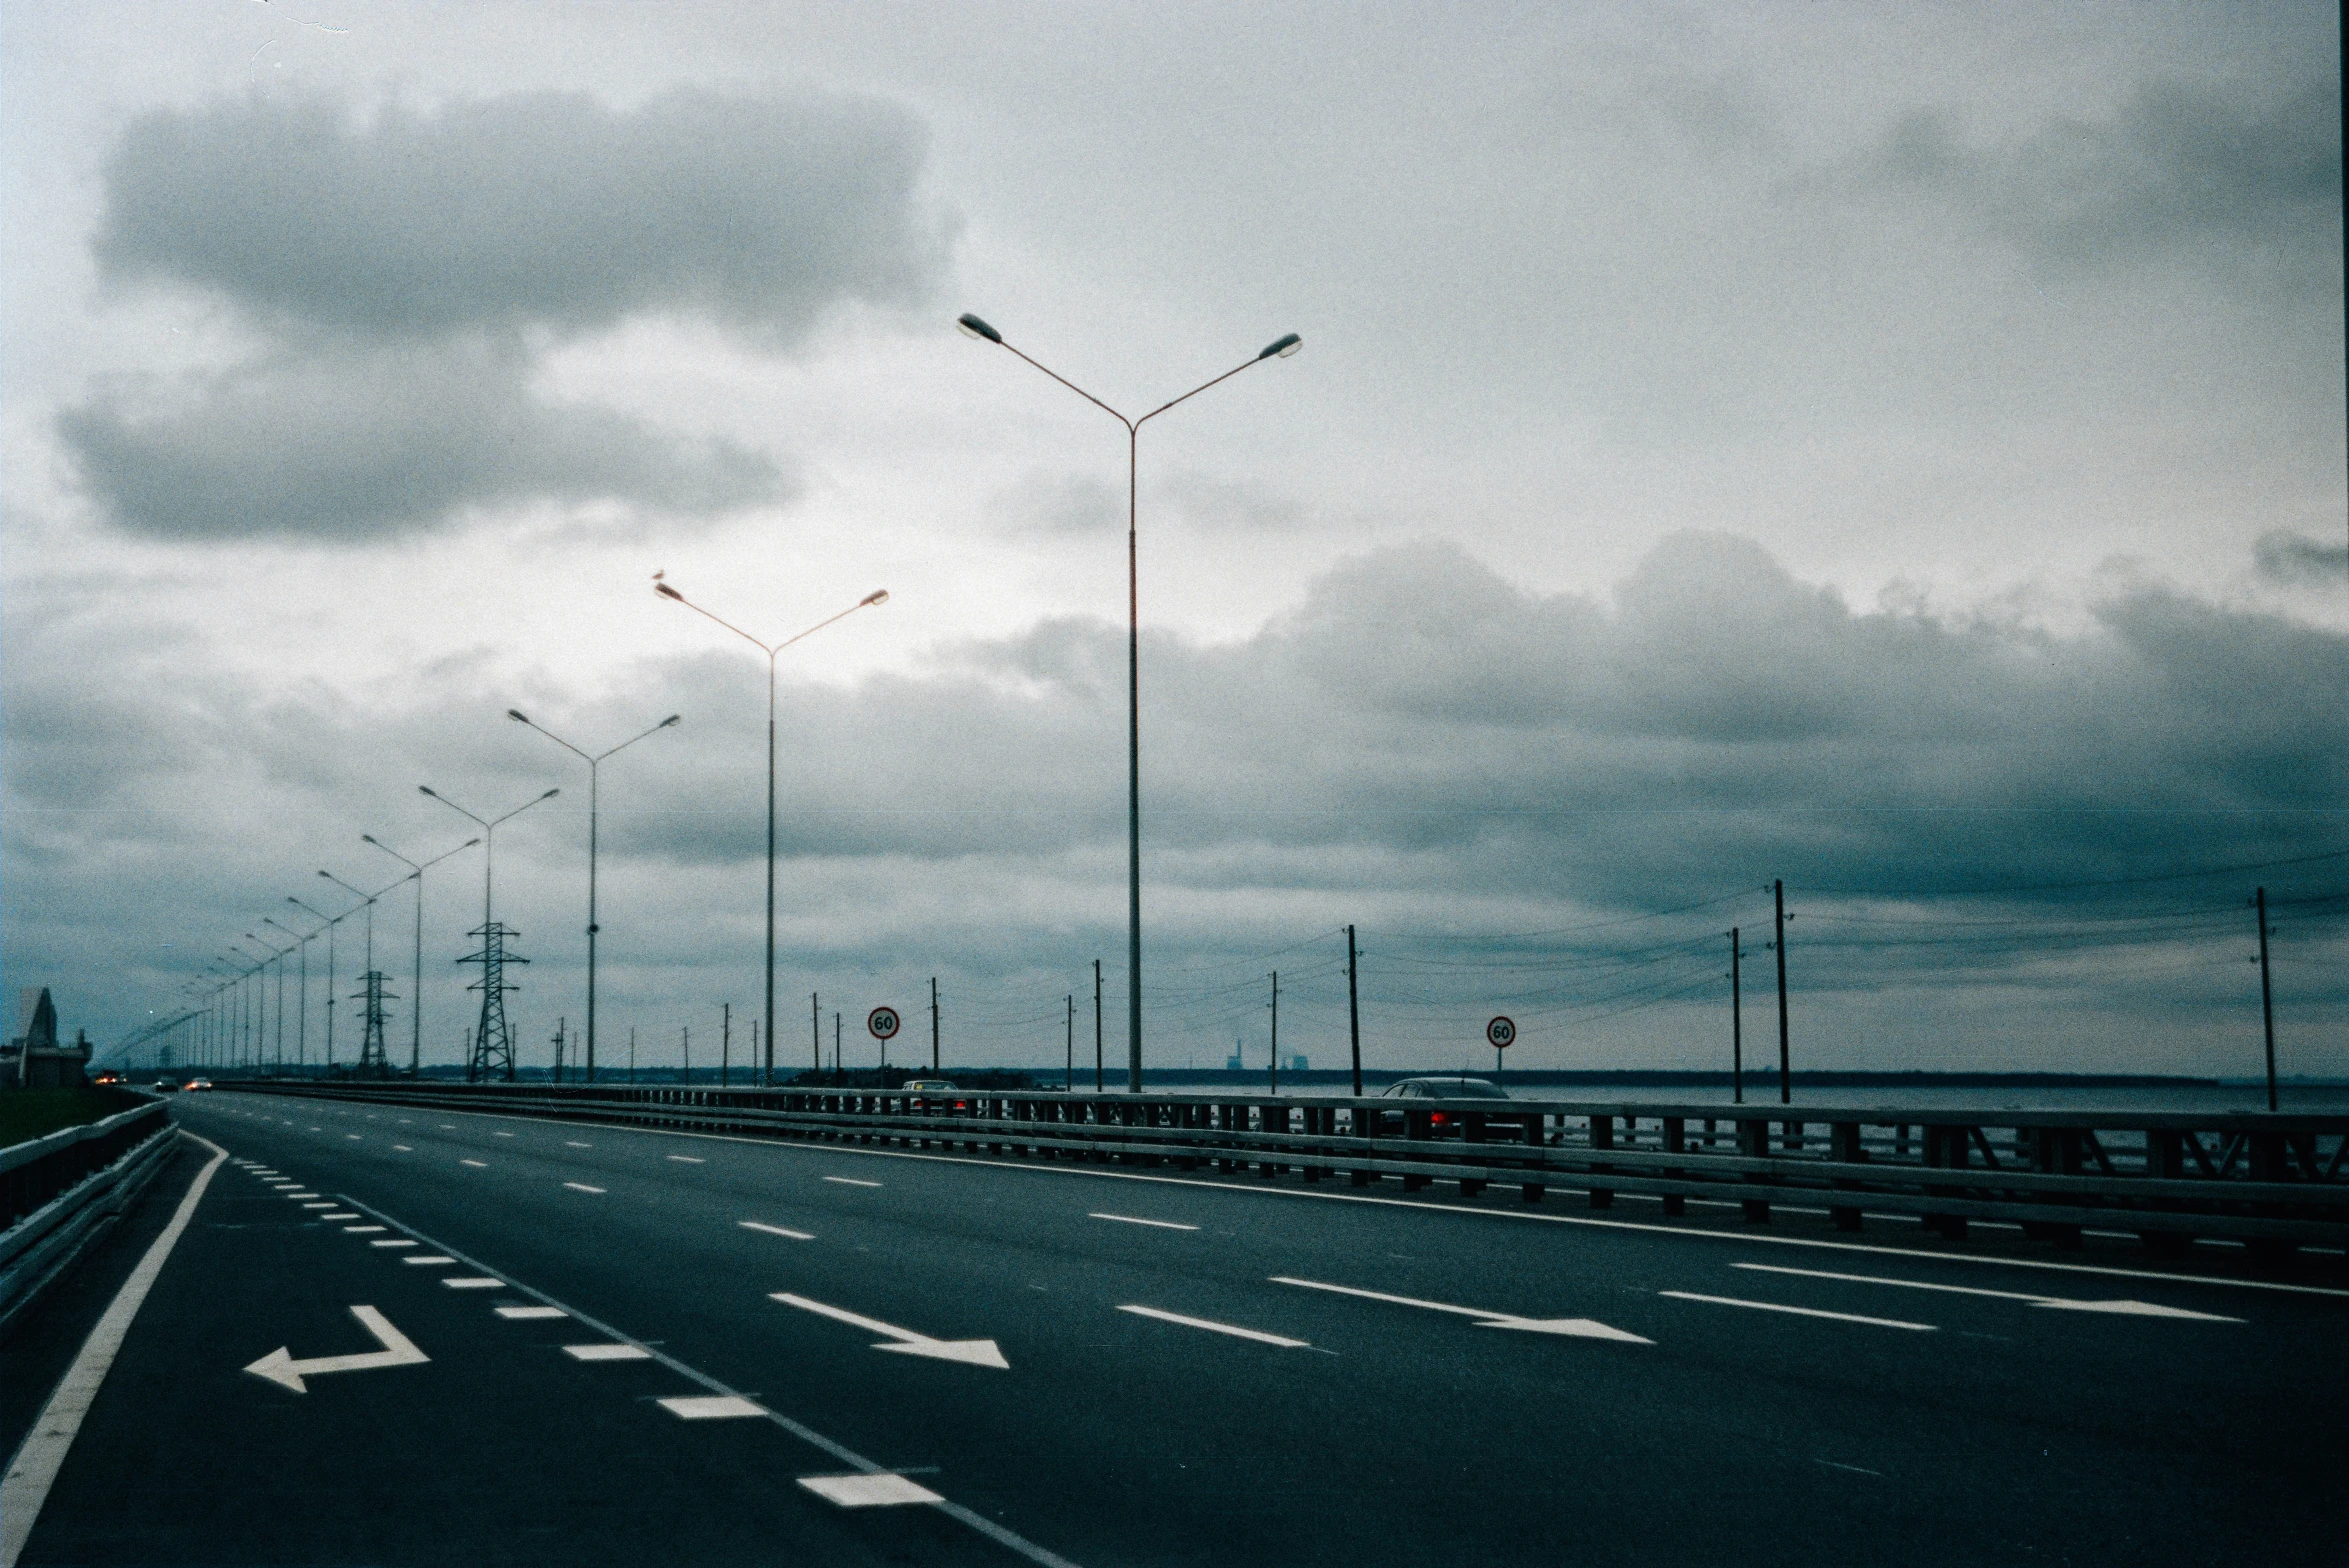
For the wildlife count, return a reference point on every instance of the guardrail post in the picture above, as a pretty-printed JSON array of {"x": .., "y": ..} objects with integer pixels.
[
  {"x": 1844, "y": 1145},
  {"x": 1415, "y": 1126},
  {"x": 1273, "y": 1119},
  {"x": 2165, "y": 1160},
  {"x": 2270, "y": 1161},
  {"x": 1945, "y": 1149},
  {"x": 1535, "y": 1140},
  {"x": 1675, "y": 1140},
  {"x": 1602, "y": 1136},
  {"x": 1472, "y": 1131},
  {"x": 2056, "y": 1151},
  {"x": 1753, "y": 1141},
  {"x": 1364, "y": 1121}
]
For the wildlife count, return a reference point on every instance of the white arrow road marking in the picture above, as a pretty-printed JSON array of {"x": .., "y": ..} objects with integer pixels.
[
  {"x": 978, "y": 1352},
  {"x": 398, "y": 1350},
  {"x": 1212, "y": 1327},
  {"x": 776, "y": 1230},
  {"x": 2140, "y": 1309},
  {"x": 1572, "y": 1328},
  {"x": 1800, "y": 1312}
]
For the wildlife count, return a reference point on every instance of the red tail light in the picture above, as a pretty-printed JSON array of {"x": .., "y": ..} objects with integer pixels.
[{"x": 1437, "y": 1118}]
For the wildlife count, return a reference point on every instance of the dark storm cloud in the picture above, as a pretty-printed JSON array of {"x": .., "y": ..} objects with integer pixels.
[
  {"x": 2177, "y": 169},
  {"x": 539, "y": 209},
  {"x": 355, "y": 443}
]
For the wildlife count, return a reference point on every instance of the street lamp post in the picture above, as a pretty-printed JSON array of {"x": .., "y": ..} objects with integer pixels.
[
  {"x": 277, "y": 953},
  {"x": 416, "y": 1007},
  {"x": 302, "y": 1007},
  {"x": 257, "y": 1039},
  {"x": 327, "y": 923},
  {"x": 490, "y": 999},
  {"x": 877, "y": 596},
  {"x": 1279, "y": 348},
  {"x": 594, "y": 798}
]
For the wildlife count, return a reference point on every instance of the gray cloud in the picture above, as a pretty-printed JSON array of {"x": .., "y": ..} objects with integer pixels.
[
  {"x": 2297, "y": 561},
  {"x": 539, "y": 209},
  {"x": 354, "y": 443},
  {"x": 2177, "y": 170}
]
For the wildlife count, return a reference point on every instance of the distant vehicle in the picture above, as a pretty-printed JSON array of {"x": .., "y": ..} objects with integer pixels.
[
  {"x": 198, "y": 1083},
  {"x": 1443, "y": 1124},
  {"x": 935, "y": 1094},
  {"x": 106, "y": 1079},
  {"x": 165, "y": 1086}
]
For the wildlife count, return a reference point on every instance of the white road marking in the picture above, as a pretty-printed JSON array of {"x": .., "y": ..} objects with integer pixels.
[
  {"x": 403, "y": 1148},
  {"x": 35, "y": 1467},
  {"x": 532, "y": 1312},
  {"x": 482, "y": 1283},
  {"x": 976, "y": 1352},
  {"x": 607, "y": 1352},
  {"x": 868, "y": 1491},
  {"x": 401, "y": 1243},
  {"x": 687, "y": 1159},
  {"x": 345, "y": 1215},
  {"x": 845, "y": 1181},
  {"x": 479, "y": 1165},
  {"x": 1218, "y": 1328},
  {"x": 361, "y": 1230},
  {"x": 580, "y": 1186},
  {"x": 300, "y": 1195},
  {"x": 429, "y": 1260},
  {"x": 501, "y": 1135},
  {"x": 321, "y": 1204},
  {"x": 570, "y": 1143},
  {"x": 2141, "y": 1309},
  {"x": 1572, "y": 1328},
  {"x": 1854, "y": 1469},
  {"x": 448, "y": 1126},
  {"x": 1128, "y": 1219},
  {"x": 398, "y": 1350},
  {"x": 776, "y": 1230},
  {"x": 1800, "y": 1312},
  {"x": 354, "y": 1137},
  {"x": 711, "y": 1407}
]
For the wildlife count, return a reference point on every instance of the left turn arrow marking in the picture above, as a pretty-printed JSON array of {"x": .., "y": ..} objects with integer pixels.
[{"x": 279, "y": 1366}]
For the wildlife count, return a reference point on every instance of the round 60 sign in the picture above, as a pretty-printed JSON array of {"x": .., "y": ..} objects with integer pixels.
[
  {"x": 883, "y": 1022},
  {"x": 1501, "y": 1031}
]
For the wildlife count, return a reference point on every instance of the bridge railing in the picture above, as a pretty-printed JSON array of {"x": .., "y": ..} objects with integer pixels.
[
  {"x": 2273, "y": 1181},
  {"x": 57, "y": 1189}
]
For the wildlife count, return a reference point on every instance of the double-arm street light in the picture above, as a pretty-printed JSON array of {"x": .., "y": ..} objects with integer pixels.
[
  {"x": 489, "y": 835},
  {"x": 326, "y": 923},
  {"x": 1279, "y": 348},
  {"x": 416, "y": 1007},
  {"x": 878, "y": 596},
  {"x": 594, "y": 763},
  {"x": 302, "y": 1007},
  {"x": 277, "y": 953}
]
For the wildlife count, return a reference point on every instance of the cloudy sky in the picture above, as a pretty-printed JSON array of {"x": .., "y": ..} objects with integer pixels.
[{"x": 1898, "y": 449}]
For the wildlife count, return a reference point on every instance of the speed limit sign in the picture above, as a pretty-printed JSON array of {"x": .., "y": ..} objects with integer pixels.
[
  {"x": 883, "y": 1022},
  {"x": 1501, "y": 1031}
]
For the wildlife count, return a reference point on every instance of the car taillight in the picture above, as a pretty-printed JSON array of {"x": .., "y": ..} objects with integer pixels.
[{"x": 1437, "y": 1118}]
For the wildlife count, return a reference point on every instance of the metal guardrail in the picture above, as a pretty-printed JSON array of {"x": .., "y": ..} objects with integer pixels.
[
  {"x": 57, "y": 1189},
  {"x": 2273, "y": 1181}
]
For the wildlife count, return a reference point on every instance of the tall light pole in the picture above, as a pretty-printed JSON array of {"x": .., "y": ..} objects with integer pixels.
[
  {"x": 302, "y": 1007},
  {"x": 259, "y": 1038},
  {"x": 1279, "y": 348},
  {"x": 277, "y": 953},
  {"x": 594, "y": 763},
  {"x": 416, "y": 1007},
  {"x": 492, "y": 956},
  {"x": 329, "y": 922},
  {"x": 489, "y": 835},
  {"x": 877, "y": 596}
]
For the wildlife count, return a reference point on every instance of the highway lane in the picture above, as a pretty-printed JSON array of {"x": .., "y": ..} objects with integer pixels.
[{"x": 1198, "y": 1371}]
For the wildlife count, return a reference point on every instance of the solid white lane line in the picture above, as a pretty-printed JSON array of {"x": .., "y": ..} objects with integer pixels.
[
  {"x": 429, "y": 1260},
  {"x": 1128, "y": 1219},
  {"x": 775, "y": 1230},
  {"x": 361, "y": 1230},
  {"x": 845, "y": 1181},
  {"x": 527, "y": 1313},
  {"x": 688, "y": 1159},
  {"x": 711, "y": 1407},
  {"x": 479, "y": 1165},
  {"x": 580, "y": 1186},
  {"x": 2143, "y": 1309},
  {"x": 483, "y": 1283},
  {"x": 868, "y": 1491},
  {"x": 1232, "y": 1329},
  {"x": 1800, "y": 1312},
  {"x": 401, "y": 1243},
  {"x": 607, "y": 1352},
  {"x": 35, "y": 1467}
]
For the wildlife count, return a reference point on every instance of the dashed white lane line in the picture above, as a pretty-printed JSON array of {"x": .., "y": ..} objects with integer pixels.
[
  {"x": 320, "y": 1204},
  {"x": 580, "y": 1186},
  {"x": 688, "y": 1159},
  {"x": 479, "y": 1165},
  {"x": 501, "y": 1135},
  {"x": 429, "y": 1260},
  {"x": 776, "y": 1230},
  {"x": 403, "y": 1148},
  {"x": 2144, "y": 1309},
  {"x": 469, "y": 1284},
  {"x": 845, "y": 1181},
  {"x": 1212, "y": 1327},
  {"x": 300, "y": 1195},
  {"x": 362, "y": 1230},
  {"x": 354, "y": 1137},
  {"x": 607, "y": 1352},
  {"x": 526, "y": 1314},
  {"x": 1129, "y": 1219},
  {"x": 885, "y": 1490},
  {"x": 447, "y": 1126},
  {"x": 1800, "y": 1312},
  {"x": 573, "y": 1143},
  {"x": 344, "y": 1215},
  {"x": 400, "y": 1243},
  {"x": 710, "y": 1407}
]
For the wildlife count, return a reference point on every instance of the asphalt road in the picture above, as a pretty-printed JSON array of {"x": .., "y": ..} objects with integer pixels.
[{"x": 1192, "y": 1370}]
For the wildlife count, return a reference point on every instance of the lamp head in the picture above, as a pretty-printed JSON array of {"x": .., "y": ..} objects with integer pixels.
[
  {"x": 1282, "y": 346},
  {"x": 469, "y": 843},
  {"x": 328, "y": 875},
  {"x": 877, "y": 596},
  {"x": 517, "y": 716},
  {"x": 426, "y": 789},
  {"x": 550, "y": 794},
  {"x": 667, "y": 592},
  {"x": 369, "y": 838},
  {"x": 973, "y": 327},
  {"x": 674, "y": 718}
]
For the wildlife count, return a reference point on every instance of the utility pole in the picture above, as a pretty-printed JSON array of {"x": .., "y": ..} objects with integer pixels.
[
  {"x": 2267, "y": 1009},
  {"x": 766, "y": 1063},
  {"x": 560, "y": 1025},
  {"x": 835, "y": 1046},
  {"x": 1069, "y": 1070},
  {"x": 1353, "y": 1012},
  {"x": 725, "y": 1041},
  {"x": 685, "y": 1044},
  {"x": 934, "y": 1067},
  {"x": 815, "y": 1031},
  {"x": 1272, "y": 1071},
  {"x": 1785, "y": 1082},
  {"x": 632, "y": 1058},
  {"x": 1097, "y": 1082},
  {"x": 1736, "y": 1025}
]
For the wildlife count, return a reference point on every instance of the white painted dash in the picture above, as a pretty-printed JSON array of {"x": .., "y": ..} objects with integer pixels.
[
  {"x": 531, "y": 1313},
  {"x": 1212, "y": 1327},
  {"x": 320, "y": 1204},
  {"x": 710, "y": 1407},
  {"x": 688, "y": 1159},
  {"x": 1129, "y": 1219},
  {"x": 479, "y": 1165},
  {"x": 403, "y": 1148},
  {"x": 1800, "y": 1312},
  {"x": 474, "y": 1283},
  {"x": 362, "y": 1230},
  {"x": 607, "y": 1352},
  {"x": 868, "y": 1491},
  {"x": 580, "y": 1186},
  {"x": 344, "y": 1215},
  {"x": 354, "y": 1137},
  {"x": 573, "y": 1143},
  {"x": 501, "y": 1135},
  {"x": 403, "y": 1242},
  {"x": 851, "y": 1181},
  {"x": 776, "y": 1230},
  {"x": 429, "y": 1260}
]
